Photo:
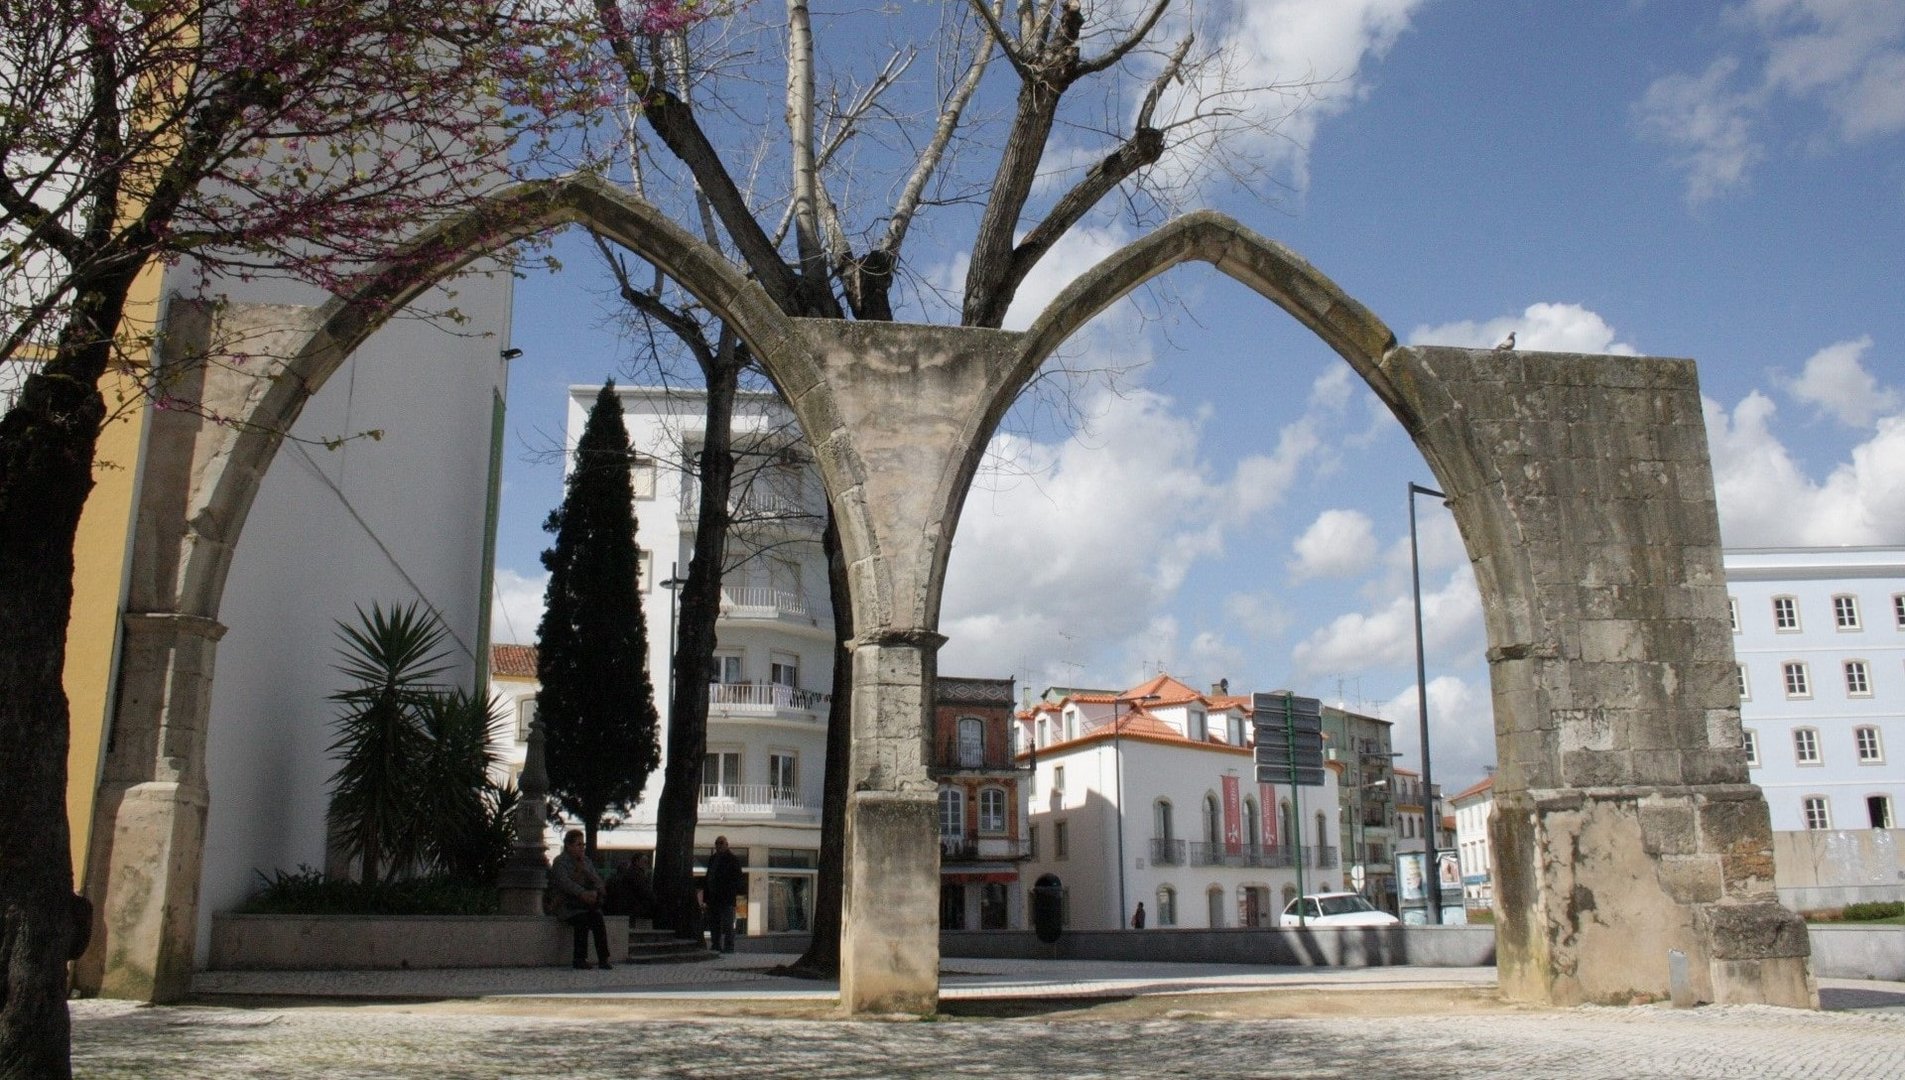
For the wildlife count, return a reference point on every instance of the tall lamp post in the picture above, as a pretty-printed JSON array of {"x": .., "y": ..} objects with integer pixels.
[
  {"x": 673, "y": 585},
  {"x": 1117, "y": 759},
  {"x": 1431, "y": 874}
]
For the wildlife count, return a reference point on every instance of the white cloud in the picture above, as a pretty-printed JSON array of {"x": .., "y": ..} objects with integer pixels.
[
  {"x": 1461, "y": 731},
  {"x": 1541, "y": 327},
  {"x": 1847, "y": 57},
  {"x": 1385, "y": 635},
  {"x": 1322, "y": 42},
  {"x": 1338, "y": 544},
  {"x": 1836, "y": 383},
  {"x": 516, "y": 608},
  {"x": 1767, "y": 500},
  {"x": 1076, "y": 252},
  {"x": 1260, "y": 616},
  {"x": 1709, "y": 122},
  {"x": 1072, "y": 551}
]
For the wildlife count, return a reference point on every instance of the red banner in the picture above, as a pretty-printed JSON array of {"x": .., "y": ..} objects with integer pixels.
[
  {"x": 1267, "y": 798},
  {"x": 1233, "y": 817}
]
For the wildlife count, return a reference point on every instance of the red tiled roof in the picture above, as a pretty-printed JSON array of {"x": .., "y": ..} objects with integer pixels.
[
  {"x": 512, "y": 661},
  {"x": 1477, "y": 788}
]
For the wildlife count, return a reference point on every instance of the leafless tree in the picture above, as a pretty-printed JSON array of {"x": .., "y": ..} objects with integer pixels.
[{"x": 1004, "y": 87}]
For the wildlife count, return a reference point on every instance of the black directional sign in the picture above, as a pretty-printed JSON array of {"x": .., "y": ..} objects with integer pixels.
[{"x": 1289, "y": 739}]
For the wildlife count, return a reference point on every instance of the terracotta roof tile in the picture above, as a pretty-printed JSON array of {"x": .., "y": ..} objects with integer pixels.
[
  {"x": 512, "y": 661},
  {"x": 1476, "y": 788}
]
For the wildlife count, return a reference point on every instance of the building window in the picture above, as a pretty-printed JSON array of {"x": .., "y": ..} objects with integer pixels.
[
  {"x": 1161, "y": 819},
  {"x": 1798, "y": 683},
  {"x": 1746, "y": 688},
  {"x": 1058, "y": 778},
  {"x": 1031, "y": 841},
  {"x": 1751, "y": 739},
  {"x": 952, "y": 814},
  {"x": 1871, "y": 751},
  {"x": 784, "y": 669},
  {"x": 1898, "y": 610},
  {"x": 525, "y": 716},
  {"x": 1733, "y": 612},
  {"x": 1858, "y": 679},
  {"x": 1785, "y": 613},
  {"x": 1167, "y": 906},
  {"x": 1213, "y": 820},
  {"x": 972, "y": 742},
  {"x": 641, "y": 476},
  {"x": 1253, "y": 823},
  {"x": 1236, "y": 729},
  {"x": 1818, "y": 814},
  {"x": 720, "y": 774},
  {"x": 1200, "y": 726},
  {"x": 1044, "y": 732},
  {"x": 1879, "y": 809},
  {"x": 992, "y": 811},
  {"x": 1061, "y": 840},
  {"x": 727, "y": 668},
  {"x": 1845, "y": 611},
  {"x": 1215, "y": 901},
  {"x": 782, "y": 773},
  {"x": 1806, "y": 746}
]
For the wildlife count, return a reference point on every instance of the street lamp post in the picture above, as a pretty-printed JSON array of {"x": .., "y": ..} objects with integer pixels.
[
  {"x": 1432, "y": 876},
  {"x": 673, "y": 585},
  {"x": 1117, "y": 761}
]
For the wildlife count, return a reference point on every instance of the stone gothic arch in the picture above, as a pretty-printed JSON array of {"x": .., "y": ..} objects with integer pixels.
[{"x": 1626, "y": 825}]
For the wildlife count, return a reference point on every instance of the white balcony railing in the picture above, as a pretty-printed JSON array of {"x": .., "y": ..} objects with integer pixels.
[
  {"x": 762, "y": 602},
  {"x": 765, "y": 699},
  {"x": 732, "y": 802}
]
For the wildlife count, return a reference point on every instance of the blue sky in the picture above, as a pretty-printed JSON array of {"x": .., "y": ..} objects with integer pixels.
[{"x": 1721, "y": 182}]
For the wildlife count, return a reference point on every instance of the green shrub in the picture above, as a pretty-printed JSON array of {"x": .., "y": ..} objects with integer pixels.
[
  {"x": 307, "y": 891},
  {"x": 1873, "y": 911}
]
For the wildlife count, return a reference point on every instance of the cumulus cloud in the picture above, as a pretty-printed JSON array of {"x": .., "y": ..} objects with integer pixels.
[
  {"x": 1767, "y": 500},
  {"x": 516, "y": 606},
  {"x": 1385, "y": 635},
  {"x": 1843, "y": 57},
  {"x": 1836, "y": 383},
  {"x": 1461, "y": 730},
  {"x": 1338, "y": 544},
  {"x": 1541, "y": 327},
  {"x": 1094, "y": 534}
]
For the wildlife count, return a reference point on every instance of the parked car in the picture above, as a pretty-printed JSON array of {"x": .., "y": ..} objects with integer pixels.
[{"x": 1337, "y": 909}]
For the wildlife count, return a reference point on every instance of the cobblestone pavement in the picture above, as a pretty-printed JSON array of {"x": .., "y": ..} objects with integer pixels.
[
  {"x": 1008, "y": 1019},
  {"x": 113, "y": 1039}
]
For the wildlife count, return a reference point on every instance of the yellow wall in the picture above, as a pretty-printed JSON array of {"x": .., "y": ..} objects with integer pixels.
[{"x": 100, "y": 554}]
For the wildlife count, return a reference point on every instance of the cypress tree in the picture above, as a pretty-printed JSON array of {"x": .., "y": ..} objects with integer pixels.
[{"x": 597, "y": 705}]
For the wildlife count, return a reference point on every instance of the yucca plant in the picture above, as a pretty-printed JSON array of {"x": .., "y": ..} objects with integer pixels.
[{"x": 381, "y": 738}]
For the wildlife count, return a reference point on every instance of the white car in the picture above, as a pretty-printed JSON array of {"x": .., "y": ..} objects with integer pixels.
[{"x": 1337, "y": 909}]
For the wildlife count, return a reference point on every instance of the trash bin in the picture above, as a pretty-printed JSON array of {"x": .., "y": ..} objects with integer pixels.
[{"x": 1048, "y": 916}]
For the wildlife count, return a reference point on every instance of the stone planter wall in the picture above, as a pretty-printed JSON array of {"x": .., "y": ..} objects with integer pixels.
[{"x": 383, "y": 942}]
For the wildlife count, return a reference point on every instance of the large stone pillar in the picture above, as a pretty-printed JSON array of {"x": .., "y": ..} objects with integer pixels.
[
  {"x": 1626, "y": 828},
  {"x": 149, "y": 829},
  {"x": 889, "y": 963}
]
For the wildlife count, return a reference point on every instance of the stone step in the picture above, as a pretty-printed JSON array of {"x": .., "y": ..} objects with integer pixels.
[{"x": 648, "y": 946}]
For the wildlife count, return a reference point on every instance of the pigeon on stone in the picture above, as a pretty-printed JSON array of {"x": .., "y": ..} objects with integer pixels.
[{"x": 1508, "y": 343}]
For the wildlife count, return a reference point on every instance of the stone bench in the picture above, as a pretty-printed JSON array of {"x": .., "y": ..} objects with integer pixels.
[{"x": 387, "y": 942}]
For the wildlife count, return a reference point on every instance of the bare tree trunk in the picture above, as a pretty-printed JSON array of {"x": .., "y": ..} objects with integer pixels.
[
  {"x": 822, "y": 958},
  {"x": 676, "y": 812},
  {"x": 46, "y": 471}
]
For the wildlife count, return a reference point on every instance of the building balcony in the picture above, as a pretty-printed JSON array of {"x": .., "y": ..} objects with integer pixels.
[
  {"x": 759, "y": 803},
  {"x": 954, "y": 849},
  {"x": 767, "y": 701},
  {"x": 763, "y": 603},
  {"x": 1196, "y": 853},
  {"x": 970, "y": 761}
]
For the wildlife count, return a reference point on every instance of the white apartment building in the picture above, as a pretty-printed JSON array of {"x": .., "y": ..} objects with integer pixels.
[
  {"x": 768, "y": 702},
  {"x": 1150, "y": 795},
  {"x": 1472, "y": 806},
  {"x": 1819, "y": 637}
]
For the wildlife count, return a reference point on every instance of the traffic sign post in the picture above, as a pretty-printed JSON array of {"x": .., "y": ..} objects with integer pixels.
[{"x": 1290, "y": 752}]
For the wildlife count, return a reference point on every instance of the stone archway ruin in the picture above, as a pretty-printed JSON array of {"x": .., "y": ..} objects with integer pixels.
[{"x": 1626, "y": 825}]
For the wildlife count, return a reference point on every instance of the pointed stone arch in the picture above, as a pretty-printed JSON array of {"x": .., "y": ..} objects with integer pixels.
[{"x": 1626, "y": 828}]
